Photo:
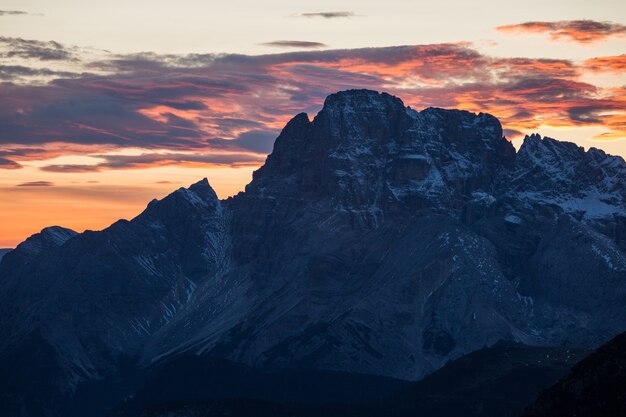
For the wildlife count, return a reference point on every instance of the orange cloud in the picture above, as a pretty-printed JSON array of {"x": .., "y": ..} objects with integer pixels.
[
  {"x": 579, "y": 31},
  {"x": 607, "y": 64}
]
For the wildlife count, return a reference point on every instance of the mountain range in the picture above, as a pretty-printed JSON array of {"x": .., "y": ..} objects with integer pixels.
[{"x": 375, "y": 240}]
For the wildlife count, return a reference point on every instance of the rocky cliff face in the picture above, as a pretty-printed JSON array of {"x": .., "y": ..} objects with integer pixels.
[{"x": 375, "y": 239}]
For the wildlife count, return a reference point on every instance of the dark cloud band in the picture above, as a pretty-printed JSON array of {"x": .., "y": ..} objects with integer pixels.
[
  {"x": 295, "y": 44},
  {"x": 36, "y": 184},
  {"x": 150, "y": 160},
  {"x": 330, "y": 15},
  {"x": 12, "y": 13}
]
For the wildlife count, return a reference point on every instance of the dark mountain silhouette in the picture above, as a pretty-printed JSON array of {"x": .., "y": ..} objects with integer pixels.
[
  {"x": 498, "y": 381},
  {"x": 375, "y": 240},
  {"x": 595, "y": 387}
]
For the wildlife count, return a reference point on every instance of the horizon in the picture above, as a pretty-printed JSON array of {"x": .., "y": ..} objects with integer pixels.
[{"x": 93, "y": 128}]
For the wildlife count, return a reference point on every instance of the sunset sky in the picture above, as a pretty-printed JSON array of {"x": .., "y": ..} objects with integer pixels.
[{"x": 107, "y": 105}]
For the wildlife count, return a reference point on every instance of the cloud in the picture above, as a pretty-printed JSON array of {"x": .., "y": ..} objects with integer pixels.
[
  {"x": 295, "y": 44},
  {"x": 170, "y": 102},
  {"x": 36, "y": 184},
  {"x": 152, "y": 160},
  {"x": 579, "y": 31},
  {"x": 607, "y": 64},
  {"x": 329, "y": 15},
  {"x": 259, "y": 141},
  {"x": 511, "y": 68},
  {"x": 33, "y": 49},
  {"x": 18, "y": 72},
  {"x": 12, "y": 13},
  {"x": 9, "y": 164}
]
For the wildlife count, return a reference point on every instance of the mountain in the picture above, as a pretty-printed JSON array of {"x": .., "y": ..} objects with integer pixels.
[
  {"x": 375, "y": 239},
  {"x": 190, "y": 380},
  {"x": 4, "y": 251},
  {"x": 497, "y": 381},
  {"x": 594, "y": 387}
]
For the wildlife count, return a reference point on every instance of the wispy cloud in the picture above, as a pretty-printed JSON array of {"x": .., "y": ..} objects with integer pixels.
[
  {"x": 36, "y": 184},
  {"x": 329, "y": 15},
  {"x": 579, "y": 31},
  {"x": 607, "y": 64},
  {"x": 152, "y": 160},
  {"x": 295, "y": 44},
  {"x": 33, "y": 49},
  {"x": 17, "y": 72},
  {"x": 12, "y": 13},
  {"x": 6, "y": 163}
]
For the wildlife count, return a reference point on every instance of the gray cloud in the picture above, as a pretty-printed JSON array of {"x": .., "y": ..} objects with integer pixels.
[
  {"x": 9, "y": 164},
  {"x": 295, "y": 44},
  {"x": 329, "y": 15},
  {"x": 32, "y": 49},
  {"x": 149, "y": 160},
  {"x": 15, "y": 72},
  {"x": 36, "y": 184},
  {"x": 258, "y": 141},
  {"x": 12, "y": 12}
]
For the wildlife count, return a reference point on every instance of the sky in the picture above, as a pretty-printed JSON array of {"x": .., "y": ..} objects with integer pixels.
[{"x": 107, "y": 105}]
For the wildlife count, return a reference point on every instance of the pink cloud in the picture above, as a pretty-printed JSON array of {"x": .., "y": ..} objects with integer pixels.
[{"x": 579, "y": 31}]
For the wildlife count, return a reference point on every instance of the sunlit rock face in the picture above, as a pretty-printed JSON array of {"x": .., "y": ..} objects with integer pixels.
[{"x": 375, "y": 239}]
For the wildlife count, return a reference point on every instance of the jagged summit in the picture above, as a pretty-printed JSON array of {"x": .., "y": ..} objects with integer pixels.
[
  {"x": 375, "y": 239},
  {"x": 374, "y": 155},
  {"x": 199, "y": 194},
  {"x": 202, "y": 186},
  {"x": 56, "y": 235},
  {"x": 550, "y": 172},
  {"x": 48, "y": 237},
  {"x": 362, "y": 101}
]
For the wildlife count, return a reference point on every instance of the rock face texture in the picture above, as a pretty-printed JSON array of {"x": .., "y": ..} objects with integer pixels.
[{"x": 375, "y": 239}]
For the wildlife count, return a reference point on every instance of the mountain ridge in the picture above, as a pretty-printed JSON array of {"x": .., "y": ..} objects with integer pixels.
[{"x": 375, "y": 239}]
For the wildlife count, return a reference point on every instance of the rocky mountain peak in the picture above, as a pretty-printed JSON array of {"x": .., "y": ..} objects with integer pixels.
[
  {"x": 358, "y": 116},
  {"x": 375, "y": 239},
  {"x": 564, "y": 174},
  {"x": 203, "y": 187},
  {"x": 360, "y": 101},
  {"x": 49, "y": 237},
  {"x": 200, "y": 195},
  {"x": 550, "y": 148},
  {"x": 369, "y": 152}
]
